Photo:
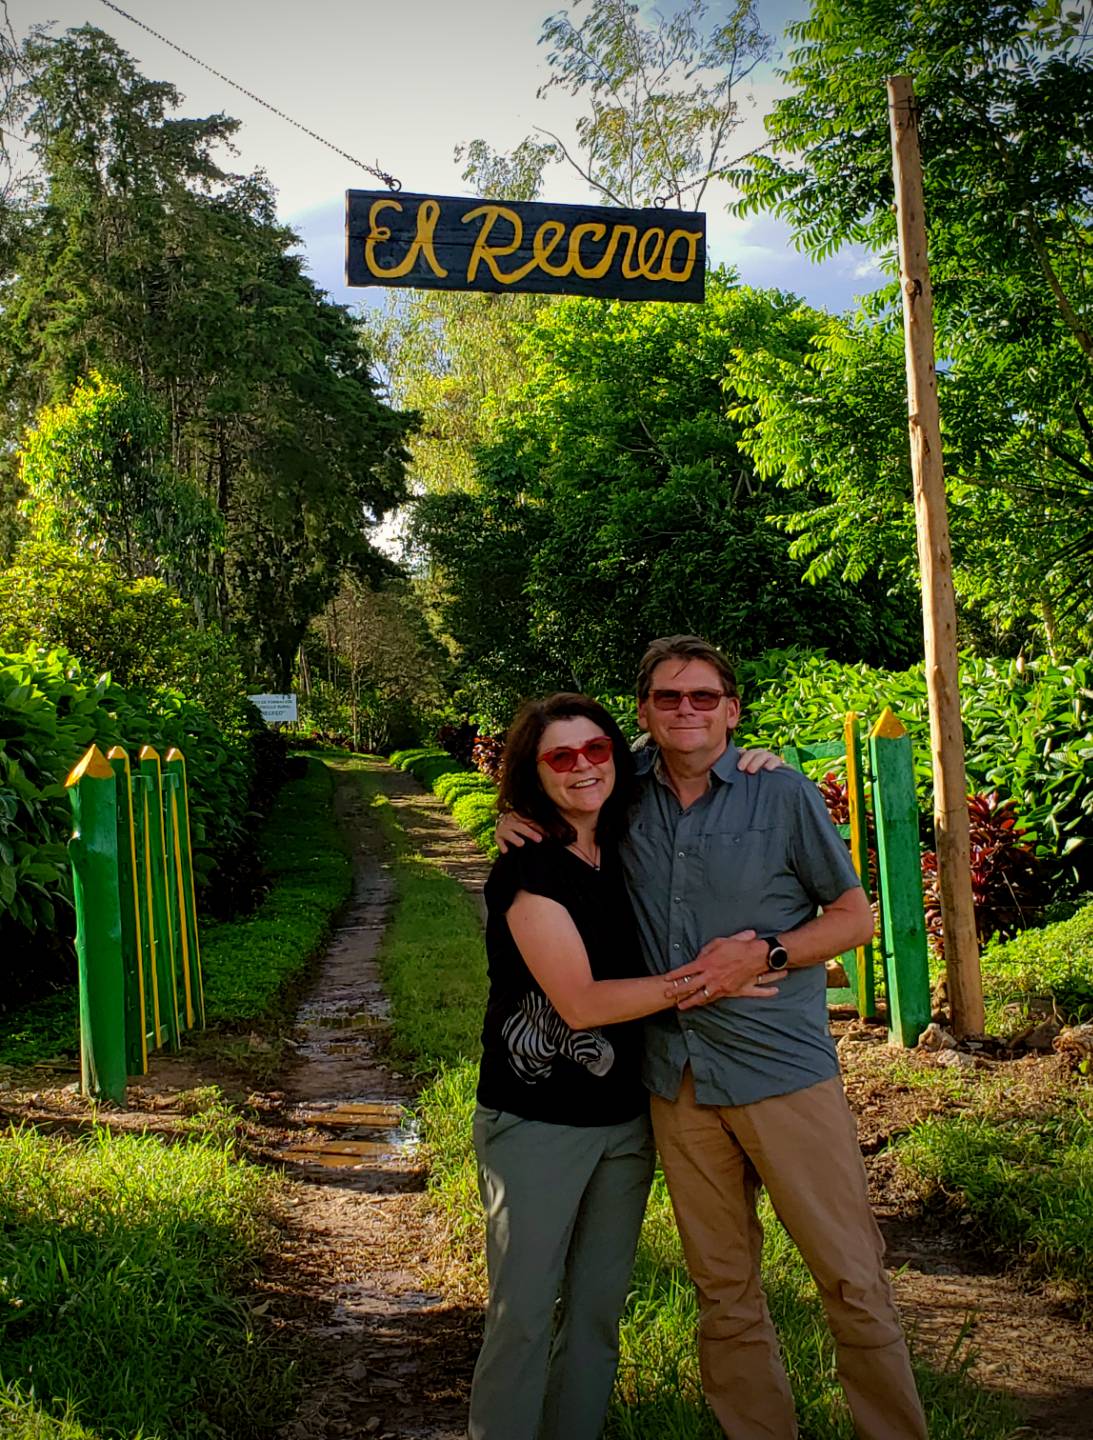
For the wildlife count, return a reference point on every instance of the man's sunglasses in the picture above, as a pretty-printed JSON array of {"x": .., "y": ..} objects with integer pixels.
[
  {"x": 700, "y": 699},
  {"x": 564, "y": 758}
]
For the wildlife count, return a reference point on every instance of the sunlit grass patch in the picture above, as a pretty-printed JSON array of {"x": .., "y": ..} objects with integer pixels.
[
  {"x": 124, "y": 1280},
  {"x": 1023, "y": 1183}
]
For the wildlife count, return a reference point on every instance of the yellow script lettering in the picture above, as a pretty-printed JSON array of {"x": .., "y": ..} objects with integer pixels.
[
  {"x": 427, "y": 216},
  {"x": 691, "y": 238},
  {"x": 483, "y": 251}
]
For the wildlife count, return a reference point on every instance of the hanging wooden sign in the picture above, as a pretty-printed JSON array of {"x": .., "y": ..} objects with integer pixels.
[{"x": 445, "y": 242}]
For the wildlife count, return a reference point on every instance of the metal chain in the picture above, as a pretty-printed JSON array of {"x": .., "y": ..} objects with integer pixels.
[{"x": 388, "y": 180}]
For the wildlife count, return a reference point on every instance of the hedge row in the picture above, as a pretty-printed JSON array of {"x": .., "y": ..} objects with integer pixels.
[{"x": 469, "y": 795}]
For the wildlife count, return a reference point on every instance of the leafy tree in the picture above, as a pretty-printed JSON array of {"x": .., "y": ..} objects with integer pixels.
[
  {"x": 614, "y": 503},
  {"x": 134, "y": 630},
  {"x": 370, "y": 667},
  {"x": 1005, "y": 90},
  {"x": 95, "y": 477},
  {"x": 145, "y": 258},
  {"x": 661, "y": 96}
]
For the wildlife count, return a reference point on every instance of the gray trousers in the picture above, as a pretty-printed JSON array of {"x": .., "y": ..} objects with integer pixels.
[{"x": 564, "y": 1205}]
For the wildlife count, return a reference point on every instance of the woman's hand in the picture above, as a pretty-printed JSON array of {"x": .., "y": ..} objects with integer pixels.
[
  {"x": 752, "y": 761},
  {"x": 733, "y": 965},
  {"x": 513, "y": 829}
]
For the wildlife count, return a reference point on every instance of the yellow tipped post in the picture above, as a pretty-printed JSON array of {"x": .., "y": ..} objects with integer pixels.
[{"x": 93, "y": 850}]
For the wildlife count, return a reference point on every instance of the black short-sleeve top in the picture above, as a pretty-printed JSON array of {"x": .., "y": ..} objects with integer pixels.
[{"x": 533, "y": 1064}]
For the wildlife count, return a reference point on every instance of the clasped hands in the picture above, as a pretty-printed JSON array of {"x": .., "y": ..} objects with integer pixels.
[{"x": 729, "y": 965}]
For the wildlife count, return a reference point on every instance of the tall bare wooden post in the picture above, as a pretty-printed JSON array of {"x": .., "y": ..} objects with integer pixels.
[{"x": 965, "y": 982}]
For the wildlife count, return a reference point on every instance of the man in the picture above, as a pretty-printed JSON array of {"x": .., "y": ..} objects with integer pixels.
[{"x": 727, "y": 871}]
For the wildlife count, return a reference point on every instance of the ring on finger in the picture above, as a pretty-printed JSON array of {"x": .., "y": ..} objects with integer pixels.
[{"x": 706, "y": 991}]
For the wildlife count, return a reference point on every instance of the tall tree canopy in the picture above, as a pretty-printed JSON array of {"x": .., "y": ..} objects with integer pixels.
[
  {"x": 140, "y": 256},
  {"x": 1005, "y": 90}
]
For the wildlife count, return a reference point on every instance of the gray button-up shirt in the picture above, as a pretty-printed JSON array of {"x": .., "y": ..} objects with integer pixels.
[{"x": 755, "y": 852}]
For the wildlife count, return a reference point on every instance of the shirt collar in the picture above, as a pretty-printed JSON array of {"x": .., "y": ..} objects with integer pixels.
[{"x": 648, "y": 761}]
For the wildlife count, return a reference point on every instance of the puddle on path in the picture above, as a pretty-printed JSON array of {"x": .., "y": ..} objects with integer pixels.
[{"x": 348, "y": 1104}]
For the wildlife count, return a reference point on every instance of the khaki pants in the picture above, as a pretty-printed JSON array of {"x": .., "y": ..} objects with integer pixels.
[{"x": 803, "y": 1148}]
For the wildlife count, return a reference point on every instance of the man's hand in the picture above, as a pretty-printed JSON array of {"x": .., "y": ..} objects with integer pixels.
[
  {"x": 752, "y": 761},
  {"x": 513, "y": 829},
  {"x": 729, "y": 965}
]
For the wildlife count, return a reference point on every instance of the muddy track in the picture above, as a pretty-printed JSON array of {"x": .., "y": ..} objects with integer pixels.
[{"x": 389, "y": 1356}]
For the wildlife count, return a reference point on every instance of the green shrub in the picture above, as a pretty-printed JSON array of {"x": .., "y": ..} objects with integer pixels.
[
  {"x": 477, "y": 814},
  {"x": 469, "y": 795},
  {"x": 426, "y": 765},
  {"x": 455, "y": 783},
  {"x": 51, "y": 710},
  {"x": 1053, "y": 964}
]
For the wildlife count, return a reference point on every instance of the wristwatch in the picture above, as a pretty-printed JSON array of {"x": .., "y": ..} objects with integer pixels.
[{"x": 777, "y": 954}]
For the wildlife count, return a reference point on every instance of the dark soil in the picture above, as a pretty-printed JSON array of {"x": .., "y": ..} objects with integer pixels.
[{"x": 385, "y": 1354}]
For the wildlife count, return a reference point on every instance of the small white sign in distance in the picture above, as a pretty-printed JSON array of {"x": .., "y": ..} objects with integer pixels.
[{"x": 276, "y": 709}]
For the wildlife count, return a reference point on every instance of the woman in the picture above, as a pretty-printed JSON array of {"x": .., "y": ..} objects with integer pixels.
[{"x": 565, "y": 1153}]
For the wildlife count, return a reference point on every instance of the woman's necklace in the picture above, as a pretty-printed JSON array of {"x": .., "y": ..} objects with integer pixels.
[{"x": 593, "y": 859}]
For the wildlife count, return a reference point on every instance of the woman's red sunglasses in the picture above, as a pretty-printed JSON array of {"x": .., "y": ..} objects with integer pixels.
[{"x": 563, "y": 758}]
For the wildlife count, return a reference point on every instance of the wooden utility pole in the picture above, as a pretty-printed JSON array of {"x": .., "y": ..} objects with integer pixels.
[{"x": 965, "y": 982}]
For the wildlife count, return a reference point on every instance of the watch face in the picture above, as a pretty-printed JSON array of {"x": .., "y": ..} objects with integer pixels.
[{"x": 777, "y": 957}]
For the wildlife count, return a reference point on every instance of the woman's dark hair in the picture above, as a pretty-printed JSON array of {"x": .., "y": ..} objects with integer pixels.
[{"x": 521, "y": 789}]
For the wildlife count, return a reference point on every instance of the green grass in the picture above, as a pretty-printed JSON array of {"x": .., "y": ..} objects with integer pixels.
[
  {"x": 432, "y": 954},
  {"x": 250, "y": 962},
  {"x": 23, "y": 1418},
  {"x": 1045, "y": 967},
  {"x": 659, "y": 1393},
  {"x": 41, "y": 1032},
  {"x": 1023, "y": 1184},
  {"x": 125, "y": 1289}
]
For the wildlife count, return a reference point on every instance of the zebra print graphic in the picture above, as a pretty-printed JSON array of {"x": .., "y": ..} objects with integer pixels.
[{"x": 535, "y": 1033}]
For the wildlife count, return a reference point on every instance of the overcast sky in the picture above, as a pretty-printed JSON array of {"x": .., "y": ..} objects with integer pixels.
[{"x": 401, "y": 82}]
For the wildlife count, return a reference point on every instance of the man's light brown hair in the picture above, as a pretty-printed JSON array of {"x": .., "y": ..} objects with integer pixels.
[{"x": 683, "y": 648}]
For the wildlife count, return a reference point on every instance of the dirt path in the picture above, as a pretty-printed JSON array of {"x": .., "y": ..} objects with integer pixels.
[{"x": 392, "y": 1358}]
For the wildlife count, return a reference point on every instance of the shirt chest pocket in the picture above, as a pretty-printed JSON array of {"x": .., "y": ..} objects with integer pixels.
[{"x": 741, "y": 862}]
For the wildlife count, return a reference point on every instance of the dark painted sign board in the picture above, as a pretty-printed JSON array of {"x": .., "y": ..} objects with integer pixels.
[{"x": 445, "y": 242}]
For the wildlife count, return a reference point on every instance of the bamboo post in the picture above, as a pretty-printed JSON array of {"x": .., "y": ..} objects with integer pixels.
[
  {"x": 965, "y": 982},
  {"x": 163, "y": 955},
  {"x": 93, "y": 850},
  {"x": 136, "y": 1025},
  {"x": 899, "y": 879},
  {"x": 176, "y": 765}
]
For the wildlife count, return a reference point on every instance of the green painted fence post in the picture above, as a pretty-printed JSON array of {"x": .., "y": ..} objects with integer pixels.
[
  {"x": 863, "y": 980},
  {"x": 176, "y": 765},
  {"x": 903, "y": 922},
  {"x": 136, "y": 1041},
  {"x": 93, "y": 850},
  {"x": 163, "y": 955}
]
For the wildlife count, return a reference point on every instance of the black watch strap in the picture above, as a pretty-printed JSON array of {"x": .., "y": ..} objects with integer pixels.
[{"x": 777, "y": 954}]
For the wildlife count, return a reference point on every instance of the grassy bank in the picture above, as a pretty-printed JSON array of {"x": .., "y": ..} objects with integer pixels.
[
  {"x": 434, "y": 967},
  {"x": 126, "y": 1281}
]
